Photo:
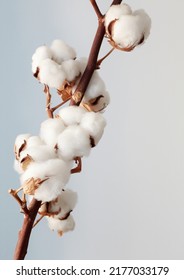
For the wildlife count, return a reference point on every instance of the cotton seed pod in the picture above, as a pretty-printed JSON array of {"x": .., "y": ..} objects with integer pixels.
[
  {"x": 56, "y": 174},
  {"x": 41, "y": 53},
  {"x": 73, "y": 142},
  {"x": 97, "y": 104},
  {"x": 63, "y": 204},
  {"x": 129, "y": 31},
  {"x": 38, "y": 154},
  {"x": 72, "y": 69},
  {"x": 50, "y": 130},
  {"x": 61, "y": 51},
  {"x": 61, "y": 226},
  {"x": 94, "y": 124},
  {"x": 115, "y": 12},
  {"x": 71, "y": 115},
  {"x": 20, "y": 144},
  {"x": 51, "y": 74}
]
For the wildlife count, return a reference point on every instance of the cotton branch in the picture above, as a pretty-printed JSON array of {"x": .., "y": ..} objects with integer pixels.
[
  {"x": 31, "y": 212},
  {"x": 92, "y": 61}
]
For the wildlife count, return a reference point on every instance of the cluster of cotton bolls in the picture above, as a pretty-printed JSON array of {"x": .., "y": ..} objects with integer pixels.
[
  {"x": 126, "y": 29},
  {"x": 45, "y": 162},
  {"x": 57, "y": 67}
]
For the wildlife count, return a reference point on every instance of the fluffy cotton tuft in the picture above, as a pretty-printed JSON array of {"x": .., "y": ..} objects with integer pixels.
[
  {"x": 50, "y": 130},
  {"x": 61, "y": 226},
  {"x": 38, "y": 153},
  {"x": 94, "y": 124},
  {"x": 51, "y": 74},
  {"x": 40, "y": 54},
  {"x": 61, "y": 51},
  {"x": 71, "y": 115},
  {"x": 56, "y": 171},
  {"x": 97, "y": 104},
  {"x": 72, "y": 69},
  {"x": 34, "y": 141},
  {"x": 63, "y": 204},
  {"x": 96, "y": 86},
  {"x": 73, "y": 142},
  {"x": 130, "y": 30},
  {"x": 144, "y": 22},
  {"x": 115, "y": 12}
]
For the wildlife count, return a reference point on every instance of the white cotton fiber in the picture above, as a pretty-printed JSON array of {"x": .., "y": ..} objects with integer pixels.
[
  {"x": 61, "y": 226},
  {"x": 95, "y": 88},
  {"x": 73, "y": 142},
  {"x": 129, "y": 30},
  {"x": 71, "y": 114},
  {"x": 97, "y": 104},
  {"x": 56, "y": 171},
  {"x": 51, "y": 74},
  {"x": 144, "y": 22},
  {"x": 50, "y": 130},
  {"x": 20, "y": 142},
  {"x": 72, "y": 69},
  {"x": 38, "y": 153},
  {"x": 94, "y": 124},
  {"x": 20, "y": 139},
  {"x": 40, "y": 54},
  {"x": 17, "y": 167},
  {"x": 34, "y": 141},
  {"x": 63, "y": 204},
  {"x": 115, "y": 12},
  {"x": 61, "y": 51}
]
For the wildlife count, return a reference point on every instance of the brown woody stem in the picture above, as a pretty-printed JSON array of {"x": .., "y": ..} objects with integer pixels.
[{"x": 25, "y": 232}]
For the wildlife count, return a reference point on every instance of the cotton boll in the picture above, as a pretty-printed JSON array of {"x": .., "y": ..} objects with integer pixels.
[
  {"x": 72, "y": 69},
  {"x": 20, "y": 139},
  {"x": 57, "y": 173},
  {"x": 129, "y": 30},
  {"x": 144, "y": 22},
  {"x": 17, "y": 167},
  {"x": 61, "y": 226},
  {"x": 50, "y": 130},
  {"x": 71, "y": 114},
  {"x": 34, "y": 141},
  {"x": 97, "y": 104},
  {"x": 115, "y": 12},
  {"x": 95, "y": 87},
  {"x": 51, "y": 74},
  {"x": 62, "y": 51},
  {"x": 73, "y": 142},
  {"x": 40, "y": 54},
  {"x": 20, "y": 144},
  {"x": 63, "y": 204},
  {"x": 38, "y": 153},
  {"x": 94, "y": 124}
]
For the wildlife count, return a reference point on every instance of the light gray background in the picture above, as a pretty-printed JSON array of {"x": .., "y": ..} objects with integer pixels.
[{"x": 131, "y": 189}]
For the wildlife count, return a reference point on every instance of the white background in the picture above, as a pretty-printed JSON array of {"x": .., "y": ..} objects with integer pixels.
[{"x": 131, "y": 189}]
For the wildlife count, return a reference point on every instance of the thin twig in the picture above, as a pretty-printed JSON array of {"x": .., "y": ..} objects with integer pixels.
[
  {"x": 59, "y": 105},
  {"x": 38, "y": 220},
  {"x": 97, "y": 10},
  {"x": 22, "y": 203},
  {"x": 99, "y": 62},
  {"x": 48, "y": 102}
]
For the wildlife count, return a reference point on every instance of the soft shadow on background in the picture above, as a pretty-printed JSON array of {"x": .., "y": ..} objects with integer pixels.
[{"x": 131, "y": 189}]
